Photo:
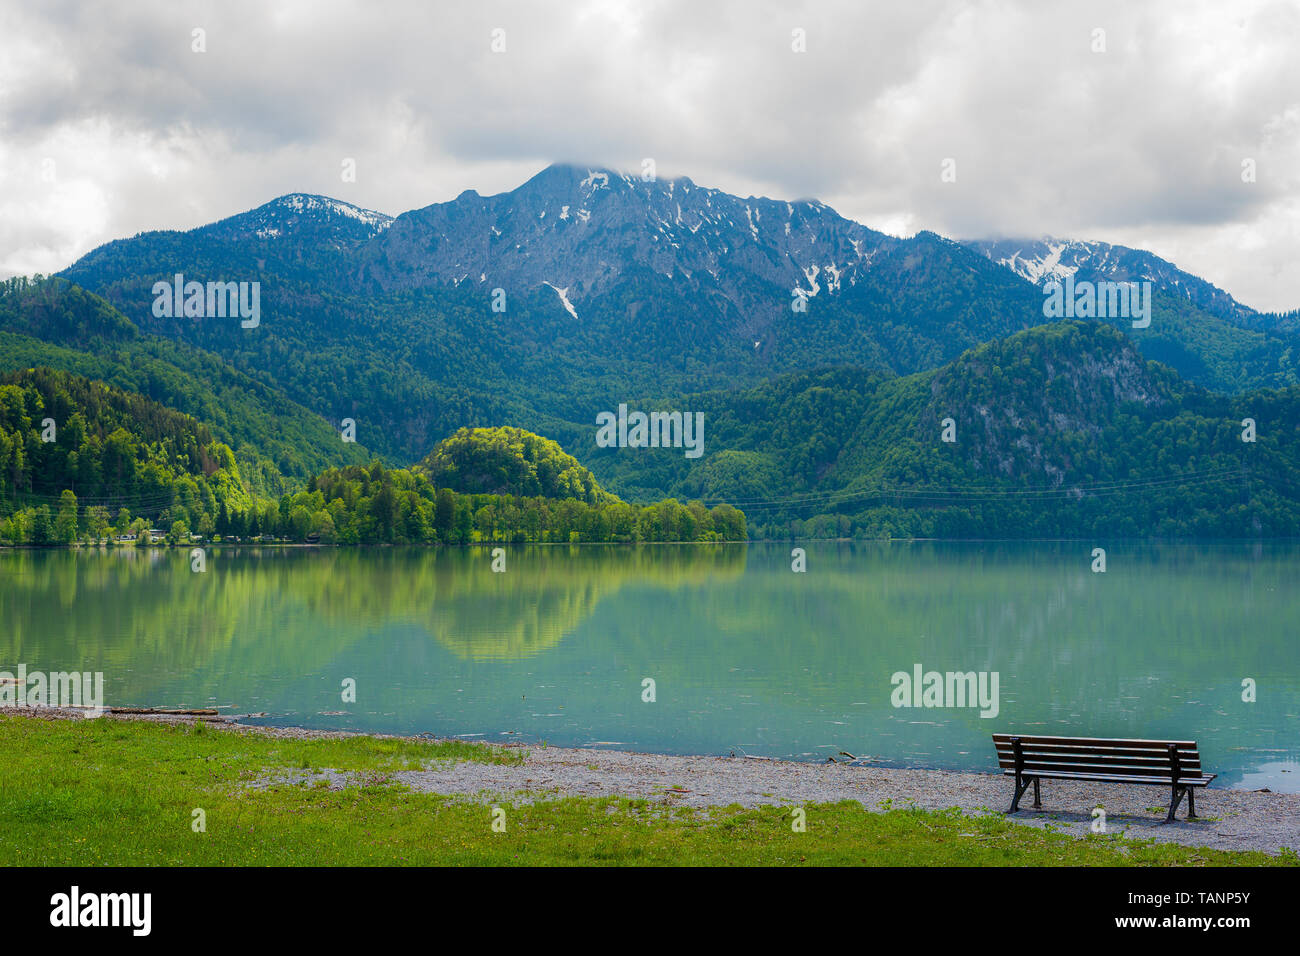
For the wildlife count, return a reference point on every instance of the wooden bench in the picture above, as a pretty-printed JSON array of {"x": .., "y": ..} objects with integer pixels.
[{"x": 1171, "y": 763}]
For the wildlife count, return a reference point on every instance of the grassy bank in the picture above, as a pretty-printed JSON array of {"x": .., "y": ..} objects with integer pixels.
[{"x": 113, "y": 792}]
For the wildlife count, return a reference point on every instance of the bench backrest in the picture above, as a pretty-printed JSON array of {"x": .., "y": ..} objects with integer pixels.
[{"x": 1155, "y": 758}]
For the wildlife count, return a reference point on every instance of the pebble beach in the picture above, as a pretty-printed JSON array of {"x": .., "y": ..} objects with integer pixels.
[{"x": 1227, "y": 819}]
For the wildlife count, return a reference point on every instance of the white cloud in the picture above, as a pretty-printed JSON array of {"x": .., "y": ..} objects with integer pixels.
[{"x": 1140, "y": 144}]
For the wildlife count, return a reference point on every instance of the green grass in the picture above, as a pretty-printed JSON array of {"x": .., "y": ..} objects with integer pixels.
[{"x": 109, "y": 792}]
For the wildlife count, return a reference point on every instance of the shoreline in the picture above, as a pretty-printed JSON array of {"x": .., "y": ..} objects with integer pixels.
[
  {"x": 1228, "y": 819},
  {"x": 163, "y": 546}
]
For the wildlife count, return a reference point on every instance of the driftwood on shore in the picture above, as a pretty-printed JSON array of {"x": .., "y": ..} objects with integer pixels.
[{"x": 199, "y": 713}]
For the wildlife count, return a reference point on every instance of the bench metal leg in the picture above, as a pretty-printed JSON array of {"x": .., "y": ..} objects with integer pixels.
[
  {"x": 1037, "y": 802},
  {"x": 1191, "y": 803},
  {"x": 1174, "y": 801},
  {"x": 1021, "y": 787}
]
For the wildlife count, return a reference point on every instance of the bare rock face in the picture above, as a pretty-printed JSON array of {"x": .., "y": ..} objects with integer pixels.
[
  {"x": 1029, "y": 405},
  {"x": 580, "y": 229}
]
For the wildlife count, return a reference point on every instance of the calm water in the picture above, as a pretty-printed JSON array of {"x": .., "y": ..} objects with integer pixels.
[{"x": 746, "y": 655}]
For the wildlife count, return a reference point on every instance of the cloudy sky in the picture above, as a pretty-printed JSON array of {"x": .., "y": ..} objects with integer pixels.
[{"x": 112, "y": 123}]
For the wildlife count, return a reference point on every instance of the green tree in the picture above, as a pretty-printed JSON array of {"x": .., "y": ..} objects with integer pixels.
[
  {"x": 65, "y": 525},
  {"x": 179, "y": 534},
  {"x": 299, "y": 523},
  {"x": 97, "y": 526}
]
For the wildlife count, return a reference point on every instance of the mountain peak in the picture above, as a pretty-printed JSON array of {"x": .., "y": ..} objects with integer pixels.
[
  {"x": 583, "y": 228},
  {"x": 1051, "y": 258},
  {"x": 302, "y": 215},
  {"x": 575, "y": 178}
]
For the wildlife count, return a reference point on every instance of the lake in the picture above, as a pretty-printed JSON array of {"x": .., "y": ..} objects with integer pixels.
[{"x": 745, "y": 655}]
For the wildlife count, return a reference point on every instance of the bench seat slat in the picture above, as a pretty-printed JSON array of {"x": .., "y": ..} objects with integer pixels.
[
  {"x": 1134, "y": 743},
  {"x": 1152, "y": 754},
  {"x": 1118, "y": 756},
  {"x": 1197, "y": 781},
  {"x": 1047, "y": 761},
  {"x": 1114, "y": 771},
  {"x": 1113, "y": 766},
  {"x": 1118, "y": 769}
]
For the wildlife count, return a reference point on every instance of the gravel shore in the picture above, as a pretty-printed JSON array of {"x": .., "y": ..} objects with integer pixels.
[{"x": 1228, "y": 819}]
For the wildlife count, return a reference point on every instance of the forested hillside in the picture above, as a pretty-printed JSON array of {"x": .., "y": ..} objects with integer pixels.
[
  {"x": 278, "y": 443},
  {"x": 510, "y": 461},
  {"x": 78, "y": 457},
  {"x": 84, "y": 461},
  {"x": 1062, "y": 430}
]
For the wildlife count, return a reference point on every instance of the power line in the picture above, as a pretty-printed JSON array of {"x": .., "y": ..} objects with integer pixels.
[{"x": 981, "y": 492}]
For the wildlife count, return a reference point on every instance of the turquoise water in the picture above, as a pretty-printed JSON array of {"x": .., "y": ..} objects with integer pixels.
[{"x": 745, "y": 655}]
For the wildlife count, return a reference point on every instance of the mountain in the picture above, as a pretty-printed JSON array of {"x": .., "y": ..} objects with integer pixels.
[
  {"x": 1061, "y": 430},
  {"x": 585, "y": 287},
  {"x": 1047, "y": 259},
  {"x": 614, "y": 290},
  {"x": 788, "y": 325},
  {"x": 1043, "y": 260},
  {"x": 1196, "y": 328},
  {"x": 699, "y": 279},
  {"x": 576, "y": 229}
]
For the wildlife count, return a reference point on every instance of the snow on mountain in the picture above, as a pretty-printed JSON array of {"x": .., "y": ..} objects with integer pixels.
[
  {"x": 564, "y": 298},
  {"x": 1048, "y": 259},
  {"x": 302, "y": 215},
  {"x": 303, "y": 204},
  {"x": 582, "y": 229}
]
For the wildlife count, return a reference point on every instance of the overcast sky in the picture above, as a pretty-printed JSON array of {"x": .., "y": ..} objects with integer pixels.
[{"x": 111, "y": 123}]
